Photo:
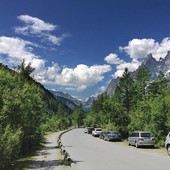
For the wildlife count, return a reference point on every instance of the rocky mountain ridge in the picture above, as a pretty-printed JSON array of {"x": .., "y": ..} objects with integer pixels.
[{"x": 154, "y": 66}]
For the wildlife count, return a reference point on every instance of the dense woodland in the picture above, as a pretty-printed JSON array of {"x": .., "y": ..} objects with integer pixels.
[
  {"x": 139, "y": 103},
  {"x": 28, "y": 110}
]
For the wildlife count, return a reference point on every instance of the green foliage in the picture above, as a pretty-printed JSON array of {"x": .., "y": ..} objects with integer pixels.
[
  {"x": 110, "y": 127},
  {"x": 25, "y": 70},
  {"x": 78, "y": 116},
  {"x": 9, "y": 146},
  {"x": 125, "y": 90},
  {"x": 137, "y": 104},
  {"x": 29, "y": 108}
]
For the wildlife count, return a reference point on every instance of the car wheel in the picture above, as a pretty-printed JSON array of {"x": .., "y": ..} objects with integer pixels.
[
  {"x": 129, "y": 143},
  {"x": 168, "y": 150},
  {"x": 136, "y": 144}
]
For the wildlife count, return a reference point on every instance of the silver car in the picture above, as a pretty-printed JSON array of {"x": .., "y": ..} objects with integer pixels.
[{"x": 141, "y": 138}]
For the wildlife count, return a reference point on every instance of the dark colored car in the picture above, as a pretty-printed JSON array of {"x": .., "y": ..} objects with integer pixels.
[
  {"x": 113, "y": 136},
  {"x": 103, "y": 134}
]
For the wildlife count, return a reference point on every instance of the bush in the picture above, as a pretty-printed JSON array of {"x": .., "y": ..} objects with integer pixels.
[
  {"x": 110, "y": 127},
  {"x": 9, "y": 146}
]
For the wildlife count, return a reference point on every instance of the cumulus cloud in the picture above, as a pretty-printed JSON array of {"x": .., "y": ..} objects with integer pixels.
[
  {"x": 16, "y": 50},
  {"x": 78, "y": 78},
  {"x": 140, "y": 48},
  {"x": 162, "y": 49},
  {"x": 37, "y": 27},
  {"x": 131, "y": 67},
  {"x": 113, "y": 59},
  {"x": 83, "y": 76}
]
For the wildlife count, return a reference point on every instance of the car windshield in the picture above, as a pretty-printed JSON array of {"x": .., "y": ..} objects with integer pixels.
[{"x": 146, "y": 134}]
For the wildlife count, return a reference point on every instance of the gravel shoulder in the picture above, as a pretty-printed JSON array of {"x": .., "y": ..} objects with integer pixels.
[{"x": 49, "y": 157}]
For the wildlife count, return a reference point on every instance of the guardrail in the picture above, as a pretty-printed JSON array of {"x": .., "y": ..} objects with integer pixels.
[{"x": 66, "y": 157}]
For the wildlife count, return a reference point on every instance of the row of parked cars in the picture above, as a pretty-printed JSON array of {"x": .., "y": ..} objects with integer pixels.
[
  {"x": 106, "y": 135},
  {"x": 137, "y": 138}
]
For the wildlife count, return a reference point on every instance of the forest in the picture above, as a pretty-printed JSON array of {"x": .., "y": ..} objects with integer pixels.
[
  {"x": 27, "y": 112},
  {"x": 139, "y": 103}
]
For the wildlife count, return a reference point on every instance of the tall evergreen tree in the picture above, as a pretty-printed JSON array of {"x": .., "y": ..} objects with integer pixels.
[
  {"x": 125, "y": 90},
  {"x": 141, "y": 82}
]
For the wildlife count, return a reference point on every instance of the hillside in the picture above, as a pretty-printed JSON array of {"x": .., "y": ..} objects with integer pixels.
[{"x": 27, "y": 111}]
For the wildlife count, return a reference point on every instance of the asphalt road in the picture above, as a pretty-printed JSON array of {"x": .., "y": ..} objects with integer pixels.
[{"x": 90, "y": 153}]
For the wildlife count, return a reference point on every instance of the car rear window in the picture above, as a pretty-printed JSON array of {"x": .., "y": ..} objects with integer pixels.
[
  {"x": 146, "y": 134},
  {"x": 98, "y": 129}
]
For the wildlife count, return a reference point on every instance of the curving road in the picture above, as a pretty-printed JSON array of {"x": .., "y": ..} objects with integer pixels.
[{"x": 90, "y": 153}]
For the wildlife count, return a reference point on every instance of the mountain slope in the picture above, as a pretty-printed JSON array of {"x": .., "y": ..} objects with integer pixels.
[{"x": 72, "y": 102}]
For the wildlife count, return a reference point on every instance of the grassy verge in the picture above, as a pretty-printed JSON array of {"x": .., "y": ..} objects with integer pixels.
[{"x": 156, "y": 149}]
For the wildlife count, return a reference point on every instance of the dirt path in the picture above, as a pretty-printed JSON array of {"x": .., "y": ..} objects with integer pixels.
[{"x": 49, "y": 157}]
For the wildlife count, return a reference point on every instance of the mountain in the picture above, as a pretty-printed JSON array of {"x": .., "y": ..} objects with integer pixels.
[
  {"x": 154, "y": 66},
  {"x": 66, "y": 99},
  {"x": 88, "y": 103},
  {"x": 72, "y": 102}
]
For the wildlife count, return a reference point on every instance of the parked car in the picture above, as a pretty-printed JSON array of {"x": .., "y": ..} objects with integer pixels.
[
  {"x": 88, "y": 130},
  {"x": 113, "y": 136},
  {"x": 167, "y": 143},
  {"x": 141, "y": 138},
  {"x": 103, "y": 134},
  {"x": 96, "y": 132}
]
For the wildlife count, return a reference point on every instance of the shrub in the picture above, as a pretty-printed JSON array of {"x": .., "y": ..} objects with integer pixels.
[{"x": 9, "y": 146}]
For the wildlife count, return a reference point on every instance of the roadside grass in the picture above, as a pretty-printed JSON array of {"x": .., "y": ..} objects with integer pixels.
[{"x": 156, "y": 149}]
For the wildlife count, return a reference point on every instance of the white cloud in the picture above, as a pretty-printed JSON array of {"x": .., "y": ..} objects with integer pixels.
[
  {"x": 140, "y": 48},
  {"x": 113, "y": 59},
  {"x": 37, "y": 27},
  {"x": 83, "y": 76},
  {"x": 121, "y": 68},
  {"x": 33, "y": 25},
  {"x": 162, "y": 49},
  {"x": 16, "y": 49},
  {"x": 80, "y": 77}
]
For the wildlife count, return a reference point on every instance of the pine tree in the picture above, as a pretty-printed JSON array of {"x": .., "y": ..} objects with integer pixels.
[{"x": 124, "y": 90}]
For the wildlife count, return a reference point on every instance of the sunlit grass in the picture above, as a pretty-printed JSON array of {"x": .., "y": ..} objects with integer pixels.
[{"x": 156, "y": 149}]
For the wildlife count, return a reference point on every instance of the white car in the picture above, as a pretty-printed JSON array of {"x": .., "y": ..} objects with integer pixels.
[
  {"x": 167, "y": 143},
  {"x": 96, "y": 132}
]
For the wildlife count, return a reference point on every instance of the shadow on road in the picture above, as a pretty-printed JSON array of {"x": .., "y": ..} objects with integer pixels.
[
  {"x": 44, "y": 164},
  {"x": 77, "y": 161}
]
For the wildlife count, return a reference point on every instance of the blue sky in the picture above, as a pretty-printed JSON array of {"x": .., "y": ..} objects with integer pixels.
[{"x": 78, "y": 46}]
